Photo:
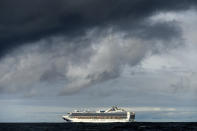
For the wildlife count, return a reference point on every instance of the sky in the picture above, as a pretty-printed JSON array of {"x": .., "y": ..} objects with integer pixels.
[{"x": 56, "y": 56}]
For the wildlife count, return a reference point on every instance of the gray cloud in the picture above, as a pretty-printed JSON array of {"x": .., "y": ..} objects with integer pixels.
[
  {"x": 80, "y": 43},
  {"x": 102, "y": 59}
]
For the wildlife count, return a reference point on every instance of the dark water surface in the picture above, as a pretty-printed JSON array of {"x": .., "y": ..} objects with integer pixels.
[{"x": 133, "y": 126}]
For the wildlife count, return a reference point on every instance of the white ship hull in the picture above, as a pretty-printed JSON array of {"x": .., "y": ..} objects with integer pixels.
[{"x": 96, "y": 120}]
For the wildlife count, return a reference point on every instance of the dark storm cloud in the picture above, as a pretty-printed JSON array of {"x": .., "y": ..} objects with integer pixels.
[
  {"x": 23, "y": 21},
  {"x": 80, "y": 43}
]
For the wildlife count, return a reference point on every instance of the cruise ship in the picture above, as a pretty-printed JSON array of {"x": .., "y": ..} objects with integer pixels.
[{"x": 113, "y": 114}]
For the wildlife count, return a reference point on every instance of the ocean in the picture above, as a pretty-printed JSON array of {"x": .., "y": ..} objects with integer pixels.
[{"x": 131, "y": 126}]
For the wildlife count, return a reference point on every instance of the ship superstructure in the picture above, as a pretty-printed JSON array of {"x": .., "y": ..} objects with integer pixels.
[{"x": 113, "y": 114}]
